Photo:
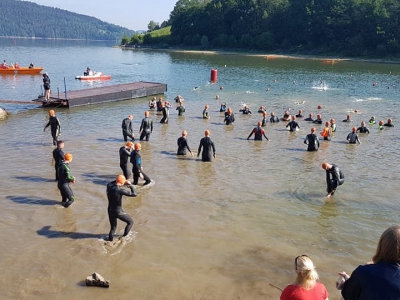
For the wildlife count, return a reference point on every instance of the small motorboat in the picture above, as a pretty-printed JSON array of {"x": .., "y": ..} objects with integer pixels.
[
  {"x": 94, "y": 76},
  {"x": 20, "y": 70}
]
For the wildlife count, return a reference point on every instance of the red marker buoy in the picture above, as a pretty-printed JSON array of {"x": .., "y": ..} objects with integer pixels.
[{"x": 214, "y": 75}]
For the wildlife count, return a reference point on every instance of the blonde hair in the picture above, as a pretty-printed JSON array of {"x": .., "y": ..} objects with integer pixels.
[{"x": 307, "y": 276}]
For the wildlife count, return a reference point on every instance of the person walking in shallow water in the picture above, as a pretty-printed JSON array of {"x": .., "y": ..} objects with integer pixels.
[
  {"x": 137, "y": 170},
  {"x": 312, "y": 141},
  {"x": 127, "y": 130},
  {"x": 258, "y": 133},
  {"x": 55, "y": 126},
  {"x": 183, "y": 145},
  {"x": 334, "y": 178},
  {"x": 65, "y": 178},
  {"x": 124, "y": 156},
  {"x": 58, "y": 156},
  {"x": 208, "y": 147},
  {"x": 146, "y": 128},
  {"x": 115, "y": 212}
]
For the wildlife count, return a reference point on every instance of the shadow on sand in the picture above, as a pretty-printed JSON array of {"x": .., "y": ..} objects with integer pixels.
[
  {"x": 99, "y": 179},
  {"x": 32, "y": 200},
  {"x": 34, "y": 179},
  {"x": 52, "y": 234}
]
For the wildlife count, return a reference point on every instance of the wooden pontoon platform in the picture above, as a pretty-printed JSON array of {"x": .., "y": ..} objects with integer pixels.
[{"x": 109, "y": 93}]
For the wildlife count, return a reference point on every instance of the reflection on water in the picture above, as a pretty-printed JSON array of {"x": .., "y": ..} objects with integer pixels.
[{"x": 221, "y": 230}]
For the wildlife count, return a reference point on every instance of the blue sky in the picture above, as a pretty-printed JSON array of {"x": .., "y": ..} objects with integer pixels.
[{"x": 133, "y": 14}]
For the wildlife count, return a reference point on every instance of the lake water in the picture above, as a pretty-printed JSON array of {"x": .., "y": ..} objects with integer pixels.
[{"x": 229, "y": 229}]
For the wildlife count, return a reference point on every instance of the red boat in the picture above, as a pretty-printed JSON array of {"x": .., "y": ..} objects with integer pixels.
[{"x": 94, "y": 76}]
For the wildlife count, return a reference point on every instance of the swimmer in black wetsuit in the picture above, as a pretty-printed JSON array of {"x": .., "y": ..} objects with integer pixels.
[
  {"x": 274, "y": 119},
  {"x": 127, "y": 130},
  {"x": 207, "y": 144},
  {"x": 264, "y": 119},
  {"x": 312, "y": 141},
  {"x": 159, "y": 104},
  {"x": 246, "y": 110},
  {"x": 347, "y": 119},
  {"x": 137, "y": 169},
  {"x": 183, "y": 144},
  {"x": 165, "y": 112},
  {"x": 334, "y": 177},
  {"x": 389, "y": 123},
  {"x": 300, "y": 114},
  {"x": 286, "y": 116},
  {"x": 181, "y": 109},
  {"x": 58, "y": 156},
  {"x": 64, "y": 180},
  {"x": 205, "y": 113},
  {"x": 352, "y": 137},
  {"x": 146, "y": 128},
  {"x": 310, "y": 119},
  {"x": 293, "y": 125},
  {"x": 229, "y": 117},
  {"x": 124, "y": 155},
  {"x": 115, "y": 212},
  {"x": 258, "y": 133},
  {"x": 55, "y": 126},
  {"x": 318, "y": 120},
  {"x": 362, "y": 128}
]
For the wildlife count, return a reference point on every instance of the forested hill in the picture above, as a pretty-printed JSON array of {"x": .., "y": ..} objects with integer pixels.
[
  {"x": 350, "y": 27},
  {"x": 27, "y": 19}
]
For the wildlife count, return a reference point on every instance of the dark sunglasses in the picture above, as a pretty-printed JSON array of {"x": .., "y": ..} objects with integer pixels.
[{"x": 295, "y": 260}]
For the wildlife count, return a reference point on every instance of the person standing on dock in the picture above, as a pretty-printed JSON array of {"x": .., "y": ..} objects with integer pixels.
[
  {"x": 127, "y": 130},
  {"x": 64, "y": 179},
  {"x": 46, "y": 86},
  {"x": 137, "y": 170},
  {"x": 55, "y": 126},
  {"x": 146, "y": 128}
]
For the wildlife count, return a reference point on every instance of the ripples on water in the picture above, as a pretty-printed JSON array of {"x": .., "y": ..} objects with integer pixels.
[{"x": 222, "y": 230}]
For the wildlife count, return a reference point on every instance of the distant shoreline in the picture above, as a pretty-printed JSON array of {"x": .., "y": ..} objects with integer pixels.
[{"x": 324, "y": 58}]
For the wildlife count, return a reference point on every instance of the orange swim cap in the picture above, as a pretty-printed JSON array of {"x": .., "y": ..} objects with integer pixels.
[
  {"x": 146, "y": 113},
  {"x": 184, "y": 133},
  {"x": 259, "y": 123},
  {"x": 319, "y": 106},
  {"x": 120, "y": 179},
  {"x": 68, "y": 156},
  {"x": 129, "y": 144},
  {"x": 138, "y": 146},
  {"x": 324, "y": 165},
  {"x": 52, "y": 112},
  {"x": 207, "y": 132},
  {"x": 313, "y": 129}
]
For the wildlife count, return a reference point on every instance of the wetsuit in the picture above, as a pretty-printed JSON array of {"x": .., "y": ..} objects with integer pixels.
[
  {"x": 352, "y": 137},
  {"x": 136, "y": 162},
  {"x": 146, "y": 128},
  {"x": 312, "y": 141},
  {"x": 114, "y": 195},
  {"x": 246, "y": 111},
  {"x": 264, "y": 121},
  {"x": 258, "y": 134},
  {"x": 152, "y": 104},
  {"x": 299, "y": 116},
  {"x": 222, "y": 108},
  {"x": 292, "y": 126},
  {"x": 64, "y": 178},
  {"x": 205, "y": 114},
  {"x": 317, "y": 121},
  {"x": 346, "y": 120},
  {"x": 58, "y": 156},
  {"x": 182, "y": 146},
  {"x": 165, "y": 112},
  {"x": 388, "y": 125},
  {"x": 159, "y": 106},
  {"x": 309, "y": 119},
  {"x": 127, "y": 129},
  {"x": 208, "y": 145},
  {"x": 362, "y": 129},
  {"x": 55, "y": 126},
  {"x": 334, "y": 178},
  {"x": 229, "y": 119},
  {"x": 274, "y": 119},
  {"x": 181, "y": 110},
  {"x": 124, "y": 155}
]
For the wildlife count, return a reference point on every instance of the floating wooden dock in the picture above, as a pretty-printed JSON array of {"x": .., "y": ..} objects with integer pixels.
[{"x": 104, "y": 94}]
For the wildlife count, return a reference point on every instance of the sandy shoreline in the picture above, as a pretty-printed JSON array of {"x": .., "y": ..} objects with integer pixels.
[{"x": 271, "y": 56}]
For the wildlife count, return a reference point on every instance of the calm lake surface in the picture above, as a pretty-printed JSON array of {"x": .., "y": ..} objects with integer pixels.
[{"x": 229, "y": 229}]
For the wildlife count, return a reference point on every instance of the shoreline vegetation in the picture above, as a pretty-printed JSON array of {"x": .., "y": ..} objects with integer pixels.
[{"x": 327, "y": 59}]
